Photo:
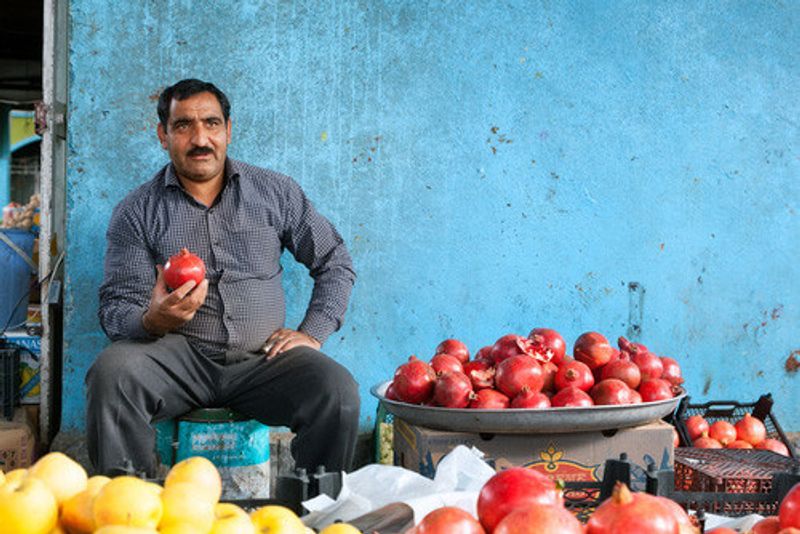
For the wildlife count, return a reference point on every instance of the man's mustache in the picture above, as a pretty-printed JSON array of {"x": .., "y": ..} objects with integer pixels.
[{"x": 199, "y": 151}]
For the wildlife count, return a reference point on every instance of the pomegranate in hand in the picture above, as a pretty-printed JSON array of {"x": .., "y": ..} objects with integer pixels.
[{"x": 182, "y": 267}]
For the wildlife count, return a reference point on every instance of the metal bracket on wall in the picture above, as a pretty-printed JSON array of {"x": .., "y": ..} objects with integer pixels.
[{"x": 635, "y": 310}]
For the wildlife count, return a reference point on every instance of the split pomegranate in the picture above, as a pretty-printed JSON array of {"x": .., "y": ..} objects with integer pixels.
[
  {"x": 443, "y": 362},
  {"x": 452, "y": 390},
  {"x": 574, "y": 374},
  {"x": 632, "y": 512},
  {"x": 514, "y": 488},
  {"x": 671, "y": 371},
  {"x": 750, "y": 429},
  {"x": 696, "y": 425},
  {"x": 571, "y": 397},
  {"x": 510, "y": 345},
  {"x": 789, "y": 511},
  {"x": 705, "y": 442},
  {"x": 481, "y": 373},
  {"x": 548, "y": 345},
  {"x": 722, "y": 431},
  {"x": 448, "y": 520},
  {"x": 488, "y": 399},
  {"x": 623, "y": 369},
  {"x": 517, "y": 372},
  {"x": 530, "y": 399},
  {"x": 655, "y": 389},
  {"x": 773, "y": 445},
  {"x": 454, "y": 347},
  {"x": 592, "y": 349},
  {"x": 414, "y": 381},
  {"x": 183, "y": 267},
  {"x": 768, "y": 525},
  {"x": 738, "y": 444},
  {"x": 539, "y": 519},
  {"x": 610, "y": 391}
]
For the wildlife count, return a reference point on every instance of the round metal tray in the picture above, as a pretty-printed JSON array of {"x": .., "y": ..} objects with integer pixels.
[{"x": 528, "y": 421}]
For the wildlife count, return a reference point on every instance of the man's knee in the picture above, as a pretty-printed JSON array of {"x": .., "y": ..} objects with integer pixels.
[{"x": 116, "y": 364}]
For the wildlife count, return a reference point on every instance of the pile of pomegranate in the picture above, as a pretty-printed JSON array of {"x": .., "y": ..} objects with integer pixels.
[
  {"x": 786, "y": 522},
  {"x": 536, "y": 372},
  {"x": 525, "y": 501},
  {"x": 747, "y": 433}
]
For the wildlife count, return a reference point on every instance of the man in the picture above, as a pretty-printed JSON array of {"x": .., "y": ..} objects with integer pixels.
[{"x": 221, "y": 342}]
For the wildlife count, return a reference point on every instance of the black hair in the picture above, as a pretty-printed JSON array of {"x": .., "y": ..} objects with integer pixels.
[{"x": 183, "y": 90}]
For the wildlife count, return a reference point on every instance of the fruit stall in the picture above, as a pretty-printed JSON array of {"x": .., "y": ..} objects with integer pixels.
[{"x": 526, "y": 436}]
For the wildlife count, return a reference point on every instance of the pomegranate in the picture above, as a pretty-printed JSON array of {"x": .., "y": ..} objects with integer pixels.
[
  {"x": 452, "y": 390},
  {"x": 655, "y": 389},
  {"x": 571, "y": 397},
  {"x": 514, "y": 488},
  {"x": 592, "y": 349},
  {"x": 530, "y": 399},
  {"x": 549, "y": 370},
  {"x": 414, "y": 381},
  {"x": 548, "y": 345},
  {"x": 632, "y": 512},
  {"x": 768, "y": 525},
  {"x": 750, "y": 429},
  {"x": 773, "y": 445},
  {"x": 488, "y": 399},
  {"x": 390, "y": 394},
  {"x": 539, "y": 519},
  {"x": 635, "y": 397},
  {"x": 671, "y": 371},
  {"x": 510, "y": 345},
  {"x": 705, "y": 442},
  {"x": 455, "y": 348},
  {"x": 789, "y": 511},
  {"x": 722, "y": 431},
  {"x": 623, "y": 369},
  {"x": 517, "y": 372},
  {"x": 484, "y": 353},
  {"x": 183, "y": 267},
  {"x": 722, "y": 530},
  {"x": 738, "y": 444},
  {"x": 685, "y": 524},
  {"x": 649, "y": 364},
  {"x": 610, "y": 391},
  {"x": 481, "y": 373},
  {"x": 448, "y": 520},
  {"x": 445, "y": 362},
  {"x": 576, "y": 374},
  {"x": 696, "y": 425}
]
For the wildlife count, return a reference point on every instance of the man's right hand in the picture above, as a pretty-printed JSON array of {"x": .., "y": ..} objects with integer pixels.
[{"x": 169, "y": 310}]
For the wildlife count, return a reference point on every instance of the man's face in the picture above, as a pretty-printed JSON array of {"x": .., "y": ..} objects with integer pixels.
[{"x": 196, "y": 137}]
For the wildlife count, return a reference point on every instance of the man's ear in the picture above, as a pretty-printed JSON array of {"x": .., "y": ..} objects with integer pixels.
[
  {"x": 229, "y": 130},
  {"x": 162, "y": 135}
]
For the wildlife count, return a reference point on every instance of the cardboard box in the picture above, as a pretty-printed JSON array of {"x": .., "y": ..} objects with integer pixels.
[
  {"x": 17, "y": 443},
  {"x": 29, "y": 388},
  {"x": 570, "y": 456}
]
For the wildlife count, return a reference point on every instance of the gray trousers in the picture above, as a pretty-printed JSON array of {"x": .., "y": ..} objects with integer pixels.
[{"x": 135, "y": 383}]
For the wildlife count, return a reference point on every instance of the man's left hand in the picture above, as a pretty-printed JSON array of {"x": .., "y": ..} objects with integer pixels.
[{"x": 284, "y": 339}]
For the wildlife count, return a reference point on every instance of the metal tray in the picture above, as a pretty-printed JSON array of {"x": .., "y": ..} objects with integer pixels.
[{"x": 527, "y": 421}]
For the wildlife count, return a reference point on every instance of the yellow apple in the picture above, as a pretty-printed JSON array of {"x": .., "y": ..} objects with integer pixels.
[
  {"x": 187, "y": 504},
  {"x": 340, "y": 528},
  {"x": 274, "y": 519},
  {"x": 76, "y": 512},
  {"x": 16, "y": 475},
  {"x": 27, "y": 506},
  {"x": 182, "y": 528},
  {"x": 2, "y": 477},
  {"x": 121, "y": 529},
  {"x": 127, "y": 501},
  {"x": 198, "y": 471},
  {"x": 231, "y": 519},
  {"x": 64, "y": 476}
]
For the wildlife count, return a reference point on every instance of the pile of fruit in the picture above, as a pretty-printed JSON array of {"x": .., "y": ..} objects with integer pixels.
[
  {"x": 786, "y": 522},
  {"x": 525, "y": 501},
  {"x": 536, "y": 372},
  {"x": 747, "y": 433},
  {"x": 55, "y": 496}
]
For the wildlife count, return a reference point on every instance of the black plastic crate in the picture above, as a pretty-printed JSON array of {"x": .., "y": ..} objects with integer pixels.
[
  {"x": 9, "y": 379},
  {"x": 731, "y": 411}
]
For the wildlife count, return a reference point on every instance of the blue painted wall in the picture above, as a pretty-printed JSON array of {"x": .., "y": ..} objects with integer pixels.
[{"x": 493, "y": 167}]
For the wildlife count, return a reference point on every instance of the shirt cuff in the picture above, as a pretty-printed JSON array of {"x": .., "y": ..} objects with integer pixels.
[
  {"x": 318, "y": 326},
  {"x": 135, "y": 327}
]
